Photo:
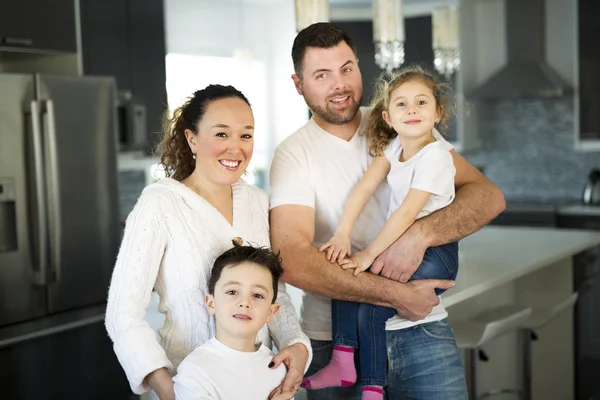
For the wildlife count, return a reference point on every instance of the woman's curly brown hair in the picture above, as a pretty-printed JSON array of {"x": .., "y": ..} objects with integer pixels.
[
  {"x": 379, "y": 133},
  {"x": 176, "y": 156}
]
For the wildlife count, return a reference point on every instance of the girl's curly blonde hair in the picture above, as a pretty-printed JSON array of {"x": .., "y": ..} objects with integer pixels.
[{"x": 379, "y": 133}]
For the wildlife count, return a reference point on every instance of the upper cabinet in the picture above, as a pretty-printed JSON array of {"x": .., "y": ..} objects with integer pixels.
[
  {"x": 38, "y": 25},
  {"x": 589, "y": 71},
  {"x": 105, "y": 39},
  {"x": 126, "y": 39}
]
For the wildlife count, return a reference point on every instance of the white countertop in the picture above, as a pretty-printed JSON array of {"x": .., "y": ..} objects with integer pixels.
[
  {"x": 579, "y": 209},
  {"x": 495, "y": 255}
]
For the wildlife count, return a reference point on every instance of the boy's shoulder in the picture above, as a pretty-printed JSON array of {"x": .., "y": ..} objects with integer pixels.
[{"x": 201, "y": 357}]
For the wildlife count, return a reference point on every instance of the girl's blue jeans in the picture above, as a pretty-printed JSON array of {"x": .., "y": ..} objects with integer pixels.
[{"x": 362, "y": 326}]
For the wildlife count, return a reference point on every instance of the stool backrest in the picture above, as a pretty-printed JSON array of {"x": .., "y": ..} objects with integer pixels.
[
  {"x": 504, "y": 325},
  {"x": 541, "y": 316}
]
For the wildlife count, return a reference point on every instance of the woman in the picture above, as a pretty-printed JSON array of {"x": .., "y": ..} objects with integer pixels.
[{"x": 175, "y": 232}]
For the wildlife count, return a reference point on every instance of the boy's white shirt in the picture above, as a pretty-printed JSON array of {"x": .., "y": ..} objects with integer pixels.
[
  {"x": 317, "y": 169},
  {"x": 215, "y": 371}
]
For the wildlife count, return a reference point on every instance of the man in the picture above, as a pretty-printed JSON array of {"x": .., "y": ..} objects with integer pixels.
[{"x": 312, "y": 173}]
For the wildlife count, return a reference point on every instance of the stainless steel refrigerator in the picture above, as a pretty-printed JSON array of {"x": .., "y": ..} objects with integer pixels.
[{"x": 59, "y": 228}]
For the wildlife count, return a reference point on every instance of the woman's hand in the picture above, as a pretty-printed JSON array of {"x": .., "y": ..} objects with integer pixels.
[
  {"x": 294, "y": 357},
  {"x": 284, "y": 396},
  {"x": 161, "y": 382}
]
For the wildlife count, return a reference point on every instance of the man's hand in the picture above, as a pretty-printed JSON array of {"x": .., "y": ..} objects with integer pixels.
[
  {"x": 422, "y": 298},
  {"x": 294, "y": 357},
  {"x": 400, "y": 261}
]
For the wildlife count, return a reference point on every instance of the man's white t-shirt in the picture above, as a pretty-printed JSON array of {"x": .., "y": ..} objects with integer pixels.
[
  {"x": 314, "y": 168},
  {"x": 215, "y": 371},
  {"x": 431, "y": 170}
]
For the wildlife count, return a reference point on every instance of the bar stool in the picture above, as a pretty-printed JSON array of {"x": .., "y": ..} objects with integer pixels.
[
  {"x": 471, "y": 334},
  {"x": 540, "y": 316}
]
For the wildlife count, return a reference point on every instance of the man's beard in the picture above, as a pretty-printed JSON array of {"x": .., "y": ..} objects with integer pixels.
[{"x": 337, "y": 117}]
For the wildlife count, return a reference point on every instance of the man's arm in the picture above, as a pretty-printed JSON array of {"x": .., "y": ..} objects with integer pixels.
[
  {"x": 477, "y": 202},
  {"x": 292, "y": 233}
]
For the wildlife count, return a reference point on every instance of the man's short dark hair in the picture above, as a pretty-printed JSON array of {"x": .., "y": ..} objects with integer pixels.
[
  {"x": 239, "y": 254},
  {"x": 324, "y": 35}
]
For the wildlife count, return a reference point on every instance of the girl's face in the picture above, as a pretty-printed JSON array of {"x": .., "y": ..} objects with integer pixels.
[
  {"x": 225, "y": 140},
  {"x": 412, "y": 110}
]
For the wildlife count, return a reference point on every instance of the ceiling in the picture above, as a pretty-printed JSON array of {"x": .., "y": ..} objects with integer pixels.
[
  {"x": 364, "y": 2},
  {"x": 340, "y": 3}
]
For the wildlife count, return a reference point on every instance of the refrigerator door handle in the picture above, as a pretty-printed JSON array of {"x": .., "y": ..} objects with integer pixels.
[
  {"x": 54, "y": 217},
  {"x": 40, "y": 276}
]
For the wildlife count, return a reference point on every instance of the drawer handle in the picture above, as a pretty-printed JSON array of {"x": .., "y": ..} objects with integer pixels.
[{"x": 18, "y": 41}]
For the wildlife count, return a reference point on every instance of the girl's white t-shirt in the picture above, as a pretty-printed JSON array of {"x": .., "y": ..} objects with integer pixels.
[{"x": 431, "y": 170}]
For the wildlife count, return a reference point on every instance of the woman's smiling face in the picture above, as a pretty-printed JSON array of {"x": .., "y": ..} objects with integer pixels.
[{"x": 225, "y": 140}]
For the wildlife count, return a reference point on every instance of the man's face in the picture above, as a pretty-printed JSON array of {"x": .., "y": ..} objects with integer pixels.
[{"x": 331, "y": 83}]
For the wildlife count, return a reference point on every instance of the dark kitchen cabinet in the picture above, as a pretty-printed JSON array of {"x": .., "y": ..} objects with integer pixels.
[
  {"x": 417, "y": 50},
  {"x": 76, "y": 363},
  {"x": 126, "y": 39},
  {"x": 38, "y": 25},
  {"x": 147, "y": 61},
  {"x": 105, "y": 39},
  {"x": 588, "y": 32}
]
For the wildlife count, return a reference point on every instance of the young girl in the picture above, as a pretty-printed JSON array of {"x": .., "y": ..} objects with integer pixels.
[{"x": 420, "y": 172}]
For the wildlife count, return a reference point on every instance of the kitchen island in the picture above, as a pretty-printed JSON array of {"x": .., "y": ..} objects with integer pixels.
[
  {"x": 494, "y": 256},
  {"x": 521, "y": 266}
]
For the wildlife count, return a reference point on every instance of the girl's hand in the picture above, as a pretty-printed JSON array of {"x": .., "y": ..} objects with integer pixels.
[
  {"x": 360, "y": 261},
  {"x": 337, "y": 247}
]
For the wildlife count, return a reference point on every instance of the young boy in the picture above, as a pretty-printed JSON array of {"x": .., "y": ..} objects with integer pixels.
[{"x": 241, "y": 295}]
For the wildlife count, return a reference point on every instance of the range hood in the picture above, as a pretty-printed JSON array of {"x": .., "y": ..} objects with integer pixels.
[{"x": 526, "y": 74}]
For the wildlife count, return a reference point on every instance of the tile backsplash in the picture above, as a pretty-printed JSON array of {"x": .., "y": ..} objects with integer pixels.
[{"x": 528, "y": 149}]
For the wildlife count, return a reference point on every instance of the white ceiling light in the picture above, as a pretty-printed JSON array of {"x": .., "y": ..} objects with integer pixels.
[
  {"x": 310, "y": 11},
  {"x": 388, "y": 33},
  {"x": 446, "y": 53}
]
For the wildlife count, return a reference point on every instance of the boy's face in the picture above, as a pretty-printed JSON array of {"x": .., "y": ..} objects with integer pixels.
[{"x": 242, "y": 300}]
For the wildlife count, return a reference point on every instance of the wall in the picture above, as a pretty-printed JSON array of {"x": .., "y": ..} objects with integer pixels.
[
  {"x": 527, "y": 146},
  {"x": 210, "y": 28},
  {"x": 527, "y": 149}
]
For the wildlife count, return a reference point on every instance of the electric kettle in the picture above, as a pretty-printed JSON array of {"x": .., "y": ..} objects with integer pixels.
[{"x": 591, "y": 191}]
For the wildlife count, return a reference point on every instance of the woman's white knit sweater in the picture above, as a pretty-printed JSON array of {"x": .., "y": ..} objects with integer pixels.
[{"x": 171, "y": 240}]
